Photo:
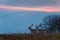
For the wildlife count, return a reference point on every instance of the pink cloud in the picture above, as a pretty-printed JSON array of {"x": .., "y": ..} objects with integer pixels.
[{"x": 43, "y": 9}]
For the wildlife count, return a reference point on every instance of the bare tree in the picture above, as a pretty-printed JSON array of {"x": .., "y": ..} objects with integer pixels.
[{"x": 53, "y": 23}]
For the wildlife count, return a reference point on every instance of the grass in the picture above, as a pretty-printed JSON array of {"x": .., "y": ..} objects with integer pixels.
[{"x": 28, "y": 37}]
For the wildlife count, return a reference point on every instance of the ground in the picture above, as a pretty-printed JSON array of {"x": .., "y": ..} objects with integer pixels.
[{"x": 28, "y": 37}]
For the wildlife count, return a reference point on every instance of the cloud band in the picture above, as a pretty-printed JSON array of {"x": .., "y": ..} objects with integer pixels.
[{"x": 44, "y": 8}]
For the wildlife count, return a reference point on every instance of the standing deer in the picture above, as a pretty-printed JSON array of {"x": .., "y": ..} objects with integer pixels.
[
  {"x": 42, "y": 31},
  {"x": 33, "y": 31}
]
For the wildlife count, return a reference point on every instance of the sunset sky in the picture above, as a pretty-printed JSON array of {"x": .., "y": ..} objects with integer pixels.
[{"x": 17, "y": 15}]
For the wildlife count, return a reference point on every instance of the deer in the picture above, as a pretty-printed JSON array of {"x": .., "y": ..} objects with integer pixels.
[
  {"x": 41, "y": 31},
  {"x": 33, "y": 31}
]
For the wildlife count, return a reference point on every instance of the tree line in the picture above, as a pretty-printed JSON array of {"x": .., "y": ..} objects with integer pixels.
[{"x": 52, "y": 23}]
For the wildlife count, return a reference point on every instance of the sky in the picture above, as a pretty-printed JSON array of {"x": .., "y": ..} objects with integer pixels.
[{"x": 17, "y": 15}]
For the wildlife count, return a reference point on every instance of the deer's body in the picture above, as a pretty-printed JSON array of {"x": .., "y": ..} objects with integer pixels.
[{"x": 42, "y": 32}]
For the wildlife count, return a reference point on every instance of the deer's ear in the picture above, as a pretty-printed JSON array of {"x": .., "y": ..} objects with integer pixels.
[{"x": 31, "y": 24}]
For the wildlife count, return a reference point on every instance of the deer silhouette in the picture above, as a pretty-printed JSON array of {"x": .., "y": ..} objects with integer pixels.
[
  {"x": 41, "y": 31},
  {"x": 33, "y": 31}
]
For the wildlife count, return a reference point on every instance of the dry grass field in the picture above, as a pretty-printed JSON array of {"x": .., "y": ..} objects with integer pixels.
[{"x": 28, "y": 37}]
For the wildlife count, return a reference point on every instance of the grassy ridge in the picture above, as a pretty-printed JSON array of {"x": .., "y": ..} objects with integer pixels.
[{"x": 28, "y": 37}]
